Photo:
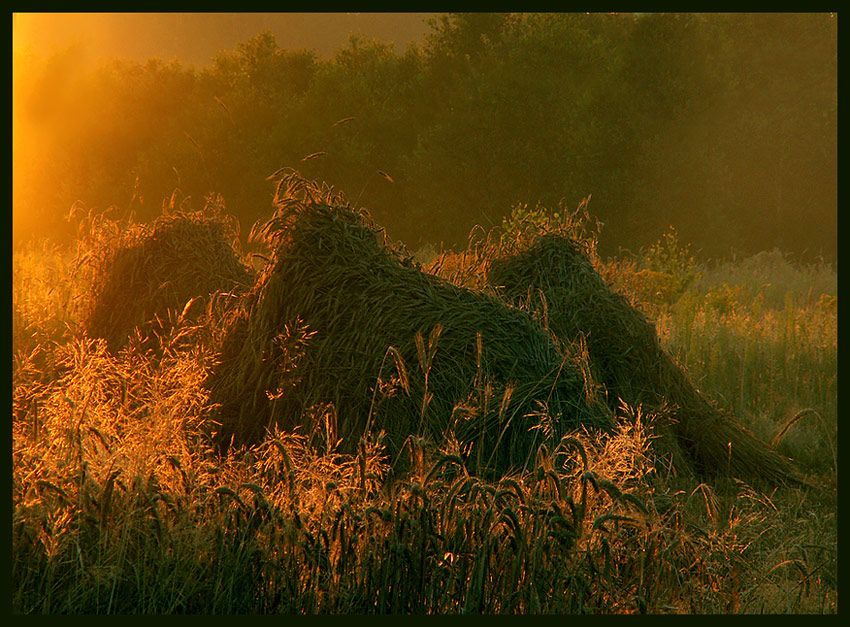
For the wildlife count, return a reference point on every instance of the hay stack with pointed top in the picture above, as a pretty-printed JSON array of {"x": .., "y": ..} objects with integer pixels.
[
  {"x": 555, "y": 277},
  {"x": 344, "y": 321}
]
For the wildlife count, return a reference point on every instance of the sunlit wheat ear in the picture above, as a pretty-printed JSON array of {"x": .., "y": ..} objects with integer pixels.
[
  {"x": 314, "y": 155},
  {"x": 78, "y": 208},
  {"x": 171, "y": 205},
  {"x": 386, "y": 176},
  {"x": 279, "y": 172}
]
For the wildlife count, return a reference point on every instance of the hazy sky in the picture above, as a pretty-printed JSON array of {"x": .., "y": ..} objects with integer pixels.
[{"x": 195, "y": 38}]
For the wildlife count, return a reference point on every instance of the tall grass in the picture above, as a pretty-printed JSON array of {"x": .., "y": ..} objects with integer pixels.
[
  {"x": 42, "y": 294},
  {"x": 122, "y": 505},
  {"x": 760, "y": 337}
]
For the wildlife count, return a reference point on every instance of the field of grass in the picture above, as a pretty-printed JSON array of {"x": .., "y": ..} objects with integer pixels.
[{"x": 123, "y": 504}]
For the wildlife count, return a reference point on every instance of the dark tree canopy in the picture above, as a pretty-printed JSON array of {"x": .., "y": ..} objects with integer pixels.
[{"x": 721, "y": 125}]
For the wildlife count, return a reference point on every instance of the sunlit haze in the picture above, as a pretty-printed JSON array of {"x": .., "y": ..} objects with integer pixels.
[
  {"x": 722, "y": 126},
  {"x": 79, "y": 42},
  {"x": 195, "y": 38}
]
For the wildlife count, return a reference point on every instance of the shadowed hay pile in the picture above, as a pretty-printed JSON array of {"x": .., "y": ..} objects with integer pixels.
[
  {"x": 143, "y": 275},
  {"x": 556, "y": 278},
  {"x": 342, "y": 320}
]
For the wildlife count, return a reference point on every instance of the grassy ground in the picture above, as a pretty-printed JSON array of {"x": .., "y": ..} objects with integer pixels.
[{"x": 120, "y": 503}]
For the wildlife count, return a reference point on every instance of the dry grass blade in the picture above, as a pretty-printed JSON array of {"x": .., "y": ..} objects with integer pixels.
[{"x": 224, "y": 106}]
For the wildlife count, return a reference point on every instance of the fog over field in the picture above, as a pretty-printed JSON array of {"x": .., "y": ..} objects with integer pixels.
[{"x": 195, "y": 38}]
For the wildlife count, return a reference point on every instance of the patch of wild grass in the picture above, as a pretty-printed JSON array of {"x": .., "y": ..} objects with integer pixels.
[
  {"x": 758, "y": 335},
  {"x": 766, "y": 359},
  {"x": 42, "y": 298},
  {"x": 120, "y": 504},
  {"x": 772, "y": 277}
]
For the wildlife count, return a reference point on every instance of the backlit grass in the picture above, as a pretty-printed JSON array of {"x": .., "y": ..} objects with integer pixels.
[{"x": 121, "y": 503}]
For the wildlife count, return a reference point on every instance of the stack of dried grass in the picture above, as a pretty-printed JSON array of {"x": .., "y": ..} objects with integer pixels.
[
  {"x": 556, "y": 278},
  {"x": 343, "y": 328},
  {"x": 142, "y": 276}
]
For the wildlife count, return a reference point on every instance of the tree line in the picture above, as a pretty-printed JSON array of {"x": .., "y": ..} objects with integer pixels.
[{"x": 723, "y": 126}]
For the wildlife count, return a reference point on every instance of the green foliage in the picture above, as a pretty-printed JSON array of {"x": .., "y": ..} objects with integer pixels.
[
  {"x": 659, "y": 276},
  {"x": 522, "y": 215},
  {"x": 673, "y": 263},
  {"x": 525, "y": 225}
]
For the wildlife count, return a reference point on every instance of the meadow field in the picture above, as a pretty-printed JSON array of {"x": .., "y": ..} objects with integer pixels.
[{"x": 382, "y": 477}]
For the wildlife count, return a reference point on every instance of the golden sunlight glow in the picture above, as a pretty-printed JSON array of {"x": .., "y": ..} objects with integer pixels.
[{"x": 44, "y": 103}]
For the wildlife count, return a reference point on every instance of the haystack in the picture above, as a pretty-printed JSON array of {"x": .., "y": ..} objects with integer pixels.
[
  {"x": 556, "y": 278},
  {"x": 143, "y": 275},
  {"x": 344, "y": 321}
]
